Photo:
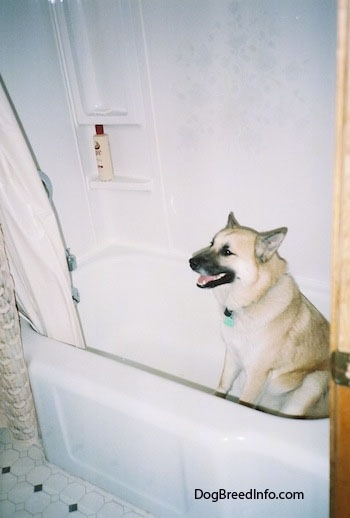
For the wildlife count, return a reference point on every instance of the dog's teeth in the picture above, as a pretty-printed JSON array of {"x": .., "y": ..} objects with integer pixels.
[{"x": 204, "y": 279}]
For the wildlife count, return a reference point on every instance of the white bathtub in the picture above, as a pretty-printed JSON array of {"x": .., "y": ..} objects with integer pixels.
[{"x": 165, "y": 446}]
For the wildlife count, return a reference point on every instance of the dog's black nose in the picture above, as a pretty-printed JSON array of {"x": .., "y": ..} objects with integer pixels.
[{"x": 193, "y": 263}]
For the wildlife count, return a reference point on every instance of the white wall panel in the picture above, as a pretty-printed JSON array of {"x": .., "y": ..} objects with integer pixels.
[
  {"x": 244, "y": 105},
  {"x": 98, "y": 48},
  {"x": 231, "y": 105}
]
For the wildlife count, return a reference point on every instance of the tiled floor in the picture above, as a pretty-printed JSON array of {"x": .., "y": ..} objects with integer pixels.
[{"x": 30, "y": 487}]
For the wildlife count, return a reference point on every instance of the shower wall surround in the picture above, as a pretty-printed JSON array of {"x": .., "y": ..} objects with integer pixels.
[{"x": 210, "y": 106}]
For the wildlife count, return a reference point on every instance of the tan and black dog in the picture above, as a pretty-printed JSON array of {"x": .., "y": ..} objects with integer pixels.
[{"x": 277, "y": 354}]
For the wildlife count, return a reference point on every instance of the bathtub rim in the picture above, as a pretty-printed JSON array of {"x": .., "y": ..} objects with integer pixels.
[
  {"x": 114, "y": 249},
  {"x": 311, "y": 287}
]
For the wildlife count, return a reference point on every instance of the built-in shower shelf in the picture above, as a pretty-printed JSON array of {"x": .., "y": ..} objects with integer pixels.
[{"x": 123, "y": 183}]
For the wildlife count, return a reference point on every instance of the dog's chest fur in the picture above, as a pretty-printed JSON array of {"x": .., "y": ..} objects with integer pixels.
[
  {"x": 248, "y": 343},
  {"x": 257, "y": 337},
  {"x": 253, "y": 326}
]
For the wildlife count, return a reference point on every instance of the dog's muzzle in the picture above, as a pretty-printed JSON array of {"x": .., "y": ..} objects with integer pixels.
[{"x": 210, "y": 276}]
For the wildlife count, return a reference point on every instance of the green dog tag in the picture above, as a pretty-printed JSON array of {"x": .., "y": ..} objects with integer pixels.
[{"x": 228, "y": 321}]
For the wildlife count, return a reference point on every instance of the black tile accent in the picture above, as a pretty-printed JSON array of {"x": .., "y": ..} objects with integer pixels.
[
  {"x": 37, "y": 488},
  {"x": 72, "y": 508},
  {"x": 6, "y": 470}
]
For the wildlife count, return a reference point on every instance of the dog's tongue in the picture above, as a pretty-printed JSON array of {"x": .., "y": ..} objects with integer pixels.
[{"x": 204, "y": 279}]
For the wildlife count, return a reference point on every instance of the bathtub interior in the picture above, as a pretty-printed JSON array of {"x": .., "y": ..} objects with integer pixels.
[{"x": 144, "y": 306}]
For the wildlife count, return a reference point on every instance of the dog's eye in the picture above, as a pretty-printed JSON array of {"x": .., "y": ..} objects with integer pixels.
[
  {"x": 211, "y": 243},
  {"x": 226, "y": 251}
]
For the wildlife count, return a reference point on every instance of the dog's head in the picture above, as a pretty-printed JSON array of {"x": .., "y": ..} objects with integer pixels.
[{"x": 235, "y": 253}]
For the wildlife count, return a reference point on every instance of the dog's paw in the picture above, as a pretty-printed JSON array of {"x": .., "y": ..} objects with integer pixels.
[{"x": 220, "y": 394}]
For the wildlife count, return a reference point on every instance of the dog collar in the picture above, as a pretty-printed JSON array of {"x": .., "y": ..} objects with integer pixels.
[{"x": 228, "y": 320}]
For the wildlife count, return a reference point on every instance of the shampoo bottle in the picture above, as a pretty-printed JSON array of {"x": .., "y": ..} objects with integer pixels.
[{"x": 103, "y": 154}]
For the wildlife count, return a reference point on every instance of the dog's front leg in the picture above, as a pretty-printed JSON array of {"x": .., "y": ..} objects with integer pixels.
[
  {"x": 229, "y": 373},
  {"x": 254, "y": 386}
]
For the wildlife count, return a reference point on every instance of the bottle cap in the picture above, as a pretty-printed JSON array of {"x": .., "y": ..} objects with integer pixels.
[{"x": 99, "y": 129}]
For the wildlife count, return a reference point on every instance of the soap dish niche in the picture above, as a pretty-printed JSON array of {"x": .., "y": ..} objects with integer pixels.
[{"x": 122, "y": 183}]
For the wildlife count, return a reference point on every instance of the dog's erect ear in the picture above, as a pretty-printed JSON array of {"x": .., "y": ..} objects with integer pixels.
[
  {"x": 232, "y": 222},
  {"x": 268, "y": 242}
]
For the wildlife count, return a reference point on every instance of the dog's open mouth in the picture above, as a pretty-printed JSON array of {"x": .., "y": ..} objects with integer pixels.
[{"x": 210, "y": 281}]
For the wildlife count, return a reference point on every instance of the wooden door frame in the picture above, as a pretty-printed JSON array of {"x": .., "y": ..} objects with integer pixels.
[{"x": 340, "y": 317}]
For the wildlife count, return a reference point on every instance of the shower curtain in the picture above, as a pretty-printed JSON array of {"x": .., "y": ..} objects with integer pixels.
[
  {"x": 17, "y": 411},
  {"x": 33, "y": 242},
  {"x": 33, "y": 257}
]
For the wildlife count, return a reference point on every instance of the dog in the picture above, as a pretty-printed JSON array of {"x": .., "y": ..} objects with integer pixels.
[{"x": 277, "y": 342}]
